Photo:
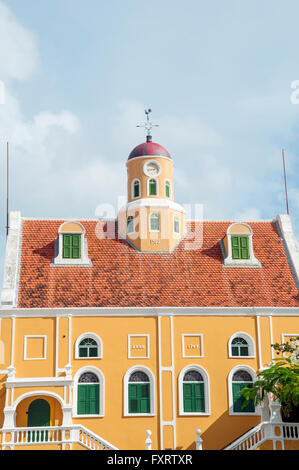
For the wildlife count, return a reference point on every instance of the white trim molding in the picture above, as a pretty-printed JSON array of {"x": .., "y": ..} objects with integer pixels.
[
  {"x": 93, "y": 336},
  {"x": 248, "y": 339},
  {"x": 44, "y": 348},
  {"x": 101, "y": 377},
  {"x": 206, "y": 382},
  {"x": 151, "y": 377},
  {"x": 228, "y": 259},
  {"x": 287, "y": 335},
  {"x": 253, "y": 375},
  {"x": 201, "y": 345},
  {"x": 147, "y": 356}
]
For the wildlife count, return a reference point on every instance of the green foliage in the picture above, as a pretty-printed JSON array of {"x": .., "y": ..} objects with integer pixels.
[{"x": 281, "y": 379}]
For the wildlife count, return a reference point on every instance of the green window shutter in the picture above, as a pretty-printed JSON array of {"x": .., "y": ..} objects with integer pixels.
[
  {"x": 167, "y": 189},
  {"x": 236, "y": 247},
  {"x": 152, "y": 188},
  {"x": 133, "y": 399},
  {"x": 76, "y": 246},
  {"x": 244, "y": 243},
  {"x": 136, "y": 189},
  {"x": 67, "y": 244},
  {"x": 199, "y": 397},
  {"x": 187, "y": 394},
  {"x": 238, "y": 399},
  {"x": 88, "y": 399}
]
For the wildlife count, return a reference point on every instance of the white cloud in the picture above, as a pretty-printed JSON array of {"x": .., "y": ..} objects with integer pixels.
[{"x": 19, "y": 57}]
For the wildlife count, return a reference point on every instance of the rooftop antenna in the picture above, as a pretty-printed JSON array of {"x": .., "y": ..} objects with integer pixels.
[
  {"x": 7, "y": 187},
  {"x": 148, "y": 125},
  {"x": 285, "y": 182}
]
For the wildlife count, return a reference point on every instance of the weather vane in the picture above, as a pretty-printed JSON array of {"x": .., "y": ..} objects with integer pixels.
[{"x": 148, "y": 125}]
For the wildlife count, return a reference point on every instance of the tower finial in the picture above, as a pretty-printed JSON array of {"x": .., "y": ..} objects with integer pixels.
[{"x": 148, "y": 125}]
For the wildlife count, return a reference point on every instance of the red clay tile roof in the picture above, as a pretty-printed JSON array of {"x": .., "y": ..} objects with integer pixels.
[{"x": 120, "y": 276}]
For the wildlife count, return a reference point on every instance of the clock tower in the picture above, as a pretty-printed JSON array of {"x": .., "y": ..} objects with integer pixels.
[{"x": 151, "y": 220}]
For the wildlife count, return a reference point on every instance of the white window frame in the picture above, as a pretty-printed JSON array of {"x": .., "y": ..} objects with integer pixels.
[
  {"x": 228, "y": 260},
  {"x": 151, "y": 377},
  {"x": 252, "y": 372},
  {"x": 101, "y": 377},
  {"x": 248, "y": 339},
  {"x": 149, "y": 220},
  {"x": 206, "y": 381},
  {"x": 147, "y": 356},
  {"x": 201, "y": 345},
  {"x": 132, "y": 188},
  {"x": 157, "y": 185},
  {"x": 44, "y": 348},
  {"x": 93, "y": 336},
  {"x": 179, "y": 220}
]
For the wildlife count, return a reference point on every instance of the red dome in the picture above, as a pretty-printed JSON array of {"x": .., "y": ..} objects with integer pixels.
[{"x": 149, "y": 148}]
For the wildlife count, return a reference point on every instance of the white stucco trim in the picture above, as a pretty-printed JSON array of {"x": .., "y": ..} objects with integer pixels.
[
  {"x": 44, "y": 348},
  {"x": 206, "y": 382},
  {"x": 151, "y": 377},
  {"x": 287, "y": 335},
  {"x": 290, "y": 244},
  {"x": 252, "y": 372},
  {"x": 250, "y": 342},
  {"x": 101, "y": 382},
  {"x": 12, "y": 260},
  {"x": 201, "y": 345},
  {"x": 147, "y": 356},
  {"x": 152, "y": 202}
]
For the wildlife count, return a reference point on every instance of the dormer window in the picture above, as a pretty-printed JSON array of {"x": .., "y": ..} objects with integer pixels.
[
  {"x": 71, "y": 245},
  {"x": 237, "y": 246}
]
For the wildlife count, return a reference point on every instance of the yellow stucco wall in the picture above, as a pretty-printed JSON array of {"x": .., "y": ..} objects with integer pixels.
[{"x": 218, "y": 429}]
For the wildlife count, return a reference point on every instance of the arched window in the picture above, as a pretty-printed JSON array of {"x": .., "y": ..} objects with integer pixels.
[
  {"x": 241, "y": 379},
  {"x": 167, "y": 188},
  {"x": 241, "y": 345},
  {"x": 130, "y": 224},
  {"x": 136, "y": 188},
  {"x": 139, "y": 392},
  {"x": 88, "y": 401},
  {"x": 88, "y": 345},
  {"x": 154, "y": 222},
  {"x": 152, "y": 187},
  {"x": 194, "y": 391}
]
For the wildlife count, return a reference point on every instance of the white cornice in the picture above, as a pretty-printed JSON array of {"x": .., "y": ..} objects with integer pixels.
[
  {"x": 148, "y": 311},
  {"x": 153, "y": 202}
]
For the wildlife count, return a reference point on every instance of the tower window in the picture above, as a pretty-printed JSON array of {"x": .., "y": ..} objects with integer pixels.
[
  {"x": 136, "y": 188},
  {"x": 240, "y": 247},
  {"x": 71, "y": 246},
  {"x": 130, "y": 224},
  {"x": 152, "y": 186},
  {"x": 167, "y": 188},
  {"x": 154, "y": 222},
  {"x": 176, "y": 224}
]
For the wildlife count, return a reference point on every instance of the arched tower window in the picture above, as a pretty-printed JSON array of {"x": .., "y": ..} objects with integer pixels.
[
  {"x": 130, "y": 224},
  {"x": 167, "y": 188},
  {"x": 135, "y": 188},
  {"x": 152, "y": 187}
]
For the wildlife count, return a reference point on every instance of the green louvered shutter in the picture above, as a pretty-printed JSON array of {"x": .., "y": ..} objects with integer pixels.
[
  {"x": 76, "y": 246},
  {"x": 198, "y": 397},
  {"x": 67, "y": 246},
  {"x": 238, "y": 399},
  {"x": 133, "y": 399},
  {"x": 244, "y": 243},
  {"x": 187, "y": 393},
  {"x": 88, "y": 399},
  {"x": 144, "y": 398},
  {"x": 236, "y": 247}
]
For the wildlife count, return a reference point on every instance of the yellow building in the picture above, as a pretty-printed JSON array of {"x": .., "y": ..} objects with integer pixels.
[{"x": 149, "y": 322}]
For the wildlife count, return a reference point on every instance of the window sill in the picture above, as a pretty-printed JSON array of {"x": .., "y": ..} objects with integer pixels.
[
  {"x": 182, "y": 413},
  {"x": 137, "y": 415},
  {"x": 89, "y": 416},
  {"x": 241, "y": 357},
  {"x": 231, "y": 413},
  {"x": 90, "y": 358}
]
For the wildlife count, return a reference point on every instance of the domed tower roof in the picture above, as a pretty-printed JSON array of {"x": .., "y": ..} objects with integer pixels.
[{"x": 149, "y": 148}]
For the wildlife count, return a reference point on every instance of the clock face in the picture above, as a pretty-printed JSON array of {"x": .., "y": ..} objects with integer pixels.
[{"x": 152, "y": 169}]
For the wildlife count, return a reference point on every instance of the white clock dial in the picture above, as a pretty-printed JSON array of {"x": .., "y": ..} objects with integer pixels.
[{"x": 152, "y": 169}]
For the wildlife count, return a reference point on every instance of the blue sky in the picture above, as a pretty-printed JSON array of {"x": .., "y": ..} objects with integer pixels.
[{"x": 216, "y": 74}]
